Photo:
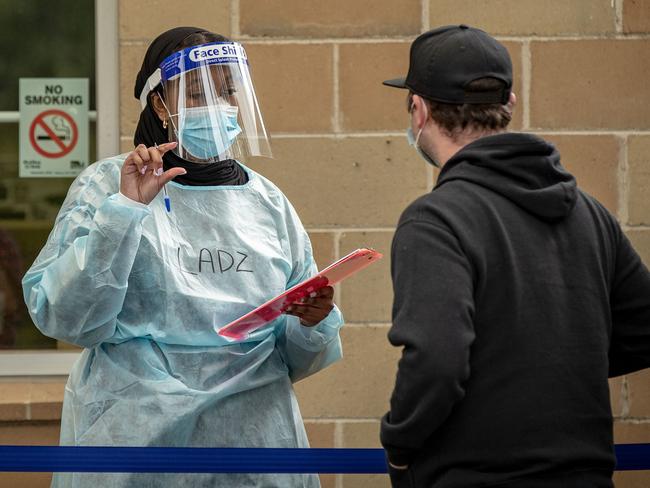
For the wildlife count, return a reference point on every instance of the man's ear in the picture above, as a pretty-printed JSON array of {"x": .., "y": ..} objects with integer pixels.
[
  {"x": 512, "y": 101},
  {"x": 420, "y": 111},
  {"x": 158, "y": 106}
]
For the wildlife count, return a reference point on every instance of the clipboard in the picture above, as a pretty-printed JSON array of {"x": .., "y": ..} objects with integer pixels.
[{"x": 269, "y": 311}]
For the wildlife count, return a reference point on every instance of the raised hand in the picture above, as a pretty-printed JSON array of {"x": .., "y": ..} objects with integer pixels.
[{"x": 142, "y": 174}]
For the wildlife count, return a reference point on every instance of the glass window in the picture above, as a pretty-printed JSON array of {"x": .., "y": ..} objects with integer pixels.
[{"x": 38, "y": 40}]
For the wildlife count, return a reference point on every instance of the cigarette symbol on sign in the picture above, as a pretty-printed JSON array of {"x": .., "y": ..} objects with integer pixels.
[{"x": 61, "y": 129}]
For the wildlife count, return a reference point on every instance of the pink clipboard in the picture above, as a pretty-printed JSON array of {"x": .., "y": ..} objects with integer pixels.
[{"x": 333, "y": 274}]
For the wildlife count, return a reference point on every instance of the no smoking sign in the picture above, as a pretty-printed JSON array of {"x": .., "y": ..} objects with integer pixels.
[
  {"x": 53, "y": 127},
  {"x": 53, "y": 134}
]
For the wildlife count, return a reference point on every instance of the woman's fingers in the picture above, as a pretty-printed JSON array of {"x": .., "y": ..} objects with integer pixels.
[
  {"x": 299, "y": 309},
  {"x": 156, "y": 154},
  {"x": 326, "y": 292},
  {"x": 134, "y": 160},
  {"x": 313, "y": 309},
  {"x": 149, "y": 159},
  {"x": 144, "y": 157},
  {"x": 308, "y": 319},
  {"x": 320, "y": 298},
  {"x": 311, "y": 320},
  {"x": 138, "y": 158},
  {"x": 168, "y": 146},
  {"x": 143, "y": 175},
  {"x": 155, "y": 161},
  {"x": 170, "y": 174}
]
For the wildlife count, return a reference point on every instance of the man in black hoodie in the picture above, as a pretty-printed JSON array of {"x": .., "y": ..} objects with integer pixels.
[{"x": 516, "y": 294}]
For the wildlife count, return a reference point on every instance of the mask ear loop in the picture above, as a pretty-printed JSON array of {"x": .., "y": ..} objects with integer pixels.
[{"x": 417, "y": 138}]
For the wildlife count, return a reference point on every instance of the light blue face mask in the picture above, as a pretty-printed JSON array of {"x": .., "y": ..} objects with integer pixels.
[
  {"x": 207, "y": 132},
  {"x": 414, "y": 141}
]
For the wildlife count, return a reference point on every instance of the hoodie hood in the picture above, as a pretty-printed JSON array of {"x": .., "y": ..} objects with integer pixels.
[{"x": 522, "y": 168}]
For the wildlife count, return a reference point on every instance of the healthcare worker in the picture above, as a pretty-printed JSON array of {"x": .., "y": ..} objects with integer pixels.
[{"x": 144, "y": 286}]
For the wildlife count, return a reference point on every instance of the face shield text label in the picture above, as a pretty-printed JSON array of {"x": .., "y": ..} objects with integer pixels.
[
  {"x": 217, "y": 51},
  {"x": 206, "y": 54}
]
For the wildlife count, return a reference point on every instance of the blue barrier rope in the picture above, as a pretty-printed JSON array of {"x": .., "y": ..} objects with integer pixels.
[
  {"x": 190, "y": 460},
  {"x": 632, "y": 457},
  {"x": 219, "y": 460}
]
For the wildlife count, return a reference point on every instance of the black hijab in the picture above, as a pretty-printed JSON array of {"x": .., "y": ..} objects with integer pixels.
[{"x": 150, "y": 130}]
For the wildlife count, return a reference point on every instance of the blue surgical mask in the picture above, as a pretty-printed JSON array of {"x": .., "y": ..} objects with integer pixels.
[
  {"x": 207, "y": 132},
  {"x": 414, "y": 141}
]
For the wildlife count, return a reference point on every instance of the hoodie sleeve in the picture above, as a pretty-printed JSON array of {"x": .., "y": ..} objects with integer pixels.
[
  {"x": 629, "y": 349},
  {"x": 433, "y": 322}
]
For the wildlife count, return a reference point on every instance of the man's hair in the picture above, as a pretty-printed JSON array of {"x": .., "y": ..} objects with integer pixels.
[{"x": 456, "y": 119}]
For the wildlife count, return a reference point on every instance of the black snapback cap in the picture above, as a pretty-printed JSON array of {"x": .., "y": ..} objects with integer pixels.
[{"x": 445, "y": 60}]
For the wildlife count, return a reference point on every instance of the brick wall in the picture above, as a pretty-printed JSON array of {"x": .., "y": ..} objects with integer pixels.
[
  {"x": 581, "y": 78},
  {"x": 342, "y": 158}
]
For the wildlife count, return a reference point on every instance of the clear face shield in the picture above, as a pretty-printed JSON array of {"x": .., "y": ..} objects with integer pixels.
[{"x": 212, "y": 107}]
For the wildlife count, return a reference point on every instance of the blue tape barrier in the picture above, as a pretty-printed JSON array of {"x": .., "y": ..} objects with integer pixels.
[
  {"x": 632, "y": 457},
  {"x": 189, "y": 460},
  {"x": 221, "y": 460}
]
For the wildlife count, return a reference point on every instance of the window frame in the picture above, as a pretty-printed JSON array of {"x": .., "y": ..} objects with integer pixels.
[{"x": 40, "y": 363}]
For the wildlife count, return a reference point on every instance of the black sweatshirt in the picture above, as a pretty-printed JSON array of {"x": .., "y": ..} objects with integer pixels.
[{"x": 516, "y": 296}]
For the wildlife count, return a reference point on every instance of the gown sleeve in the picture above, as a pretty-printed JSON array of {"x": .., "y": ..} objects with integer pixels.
[
  {"x": 306, "y": 350},
  {"x": 75, "y": 289}
]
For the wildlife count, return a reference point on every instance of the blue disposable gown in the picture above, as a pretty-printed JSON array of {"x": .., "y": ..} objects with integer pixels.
[{"x": 143, "y": 291}]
